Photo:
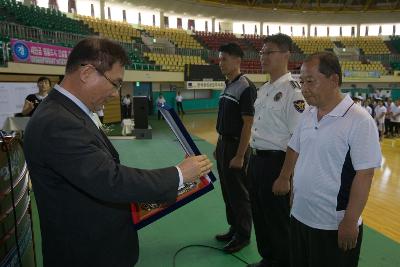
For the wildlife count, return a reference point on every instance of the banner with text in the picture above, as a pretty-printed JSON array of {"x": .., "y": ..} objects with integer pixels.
[
  {"x": 37, "y": 53},
  {"x": 210, "y": 85}
]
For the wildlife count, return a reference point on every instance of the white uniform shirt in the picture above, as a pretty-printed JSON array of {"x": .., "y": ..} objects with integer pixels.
[
  {"x": 379, "y": 110},
  {"x": 277, "y": 109},
  {"x": 330, "y": 152}
]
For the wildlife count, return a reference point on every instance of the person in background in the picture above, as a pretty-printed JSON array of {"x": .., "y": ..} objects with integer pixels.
[
  {"x": 366, "y": 106},
  {"x": 126, "y": 107},
  {"x": 358, "y": 100},
  {"x": 32, "y": 101},
  {"x": 380, "y": 113},
  {"x": 389, "y": 104},
  {"x": 179, "y": 106},
  {"x": 160, "y": 102},
  {"x": 395, "y": 119}
]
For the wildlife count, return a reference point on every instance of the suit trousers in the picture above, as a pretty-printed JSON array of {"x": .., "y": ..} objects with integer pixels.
[
  {"x": 234, "y": 186},
  {"x": 270, "y": 212}
]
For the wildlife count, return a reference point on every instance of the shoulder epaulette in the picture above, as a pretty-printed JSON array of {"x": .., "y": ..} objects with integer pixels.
[{"x": 295, "y": 84}]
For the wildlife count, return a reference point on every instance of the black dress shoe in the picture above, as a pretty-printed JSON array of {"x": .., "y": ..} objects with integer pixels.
[
  {"x": 225, "y": 237},
  {"x": 235, "y": 245}
]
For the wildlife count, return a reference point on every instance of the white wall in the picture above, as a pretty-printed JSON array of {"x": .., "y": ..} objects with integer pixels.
[
  {"x": 83, "y": 7},
  {"x": 249, "y": 27}
]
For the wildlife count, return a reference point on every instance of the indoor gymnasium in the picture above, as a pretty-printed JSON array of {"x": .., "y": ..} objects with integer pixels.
[{"x": 194, "y": 133}]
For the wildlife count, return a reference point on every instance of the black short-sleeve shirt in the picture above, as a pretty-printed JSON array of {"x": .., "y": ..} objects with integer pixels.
[
  {"x": 237, "y": 100},
  {"x": 35, "y": 100}
]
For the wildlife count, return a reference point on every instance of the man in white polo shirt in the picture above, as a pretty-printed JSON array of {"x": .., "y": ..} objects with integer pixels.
[{"x": 333, "y": 169}]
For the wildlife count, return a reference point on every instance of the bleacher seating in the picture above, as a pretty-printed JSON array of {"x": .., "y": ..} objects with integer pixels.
[
  {"x": 120, "y": 31},
  {"x": 256, "y": 41},
  {"x": 177, "y": 36},
  {"x": 44, "y": 18},
  {"x": 138, "y": 62},
  {"x": 395, "y": 41},
  {"x": 214, "y": 40},
  {"x": 172, "y": 62},
  {"x": 360, "y": 66},
  {"x": 395, "y": 65},
  {"x": 370, "y": 45},
  {"x": 55, "y": 22},
  {"x": 309, "y": 45},
  {"x": 250, "y": 66}
]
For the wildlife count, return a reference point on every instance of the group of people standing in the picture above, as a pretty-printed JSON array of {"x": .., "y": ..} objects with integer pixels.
[
  {"x": 386, "y": 113},
  {"x": 290, "y": 159}
]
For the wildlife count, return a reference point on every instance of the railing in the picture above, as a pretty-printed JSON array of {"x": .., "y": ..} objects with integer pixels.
[
  {"x": 385, "y": 59},
  {"x": 4, "y": 54},
  {"x": 12, "y": 30}
]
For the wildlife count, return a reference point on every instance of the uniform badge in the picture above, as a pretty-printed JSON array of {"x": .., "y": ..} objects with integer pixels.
[
  {"x": 278, "y": 96},
  {"x": 299, "y": 105}
]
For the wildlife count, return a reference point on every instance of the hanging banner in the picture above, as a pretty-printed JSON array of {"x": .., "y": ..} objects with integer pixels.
[{"x": 38, "y": 53}]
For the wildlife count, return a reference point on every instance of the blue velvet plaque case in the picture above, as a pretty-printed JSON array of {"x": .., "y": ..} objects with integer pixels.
[{"x": 145, "y": 213}]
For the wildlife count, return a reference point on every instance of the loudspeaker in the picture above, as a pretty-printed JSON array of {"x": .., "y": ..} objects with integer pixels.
[{"x": 140, "y": 112}]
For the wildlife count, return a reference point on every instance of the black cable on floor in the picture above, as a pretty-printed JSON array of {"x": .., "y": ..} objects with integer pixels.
[
  {"x": 5, "y": 149},
  {"x": 204, "y": 246}
]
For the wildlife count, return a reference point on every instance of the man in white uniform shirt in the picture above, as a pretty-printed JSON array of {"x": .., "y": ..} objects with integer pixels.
[
  {"x": 278, "y": 106},
  {"x": 380, "y": 113},
  {"x": 333, "y": 169}
]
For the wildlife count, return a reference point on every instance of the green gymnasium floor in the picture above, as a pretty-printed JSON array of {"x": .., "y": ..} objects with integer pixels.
[{"x": 199, "y": 221}]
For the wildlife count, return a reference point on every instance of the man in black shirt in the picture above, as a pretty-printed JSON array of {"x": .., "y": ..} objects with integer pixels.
[
  {"x": 32, "y": 101},
  {"x": 235, "y": 117}
]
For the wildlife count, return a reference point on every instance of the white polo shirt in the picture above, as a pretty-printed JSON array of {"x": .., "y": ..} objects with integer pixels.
[
  {"x": 277, "y": 109},
  {"x": 330, "y": 152},
  {"x": 395, "y": 114},
  {"x": 379, "y": 110}
]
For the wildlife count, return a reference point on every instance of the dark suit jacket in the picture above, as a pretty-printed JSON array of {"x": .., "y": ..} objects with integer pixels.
[{"x": 82, "y": 191}]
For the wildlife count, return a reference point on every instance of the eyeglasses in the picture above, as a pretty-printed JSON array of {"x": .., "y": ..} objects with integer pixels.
[
  {"x": 270, "y": 52},
  {"x": 117, "y": 86}
]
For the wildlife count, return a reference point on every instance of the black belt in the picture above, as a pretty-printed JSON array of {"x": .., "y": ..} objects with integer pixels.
[
  {"x": 228, "y": 138},
  {"x": 265, "y": 153}
]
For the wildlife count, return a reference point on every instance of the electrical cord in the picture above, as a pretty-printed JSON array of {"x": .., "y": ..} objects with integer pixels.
[
  {"x": 5, "y": 149},
  {"x": 204, "y": 246}
]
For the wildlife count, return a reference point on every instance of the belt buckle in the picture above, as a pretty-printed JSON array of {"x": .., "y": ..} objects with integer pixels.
[{"x": 254, "y": 151}]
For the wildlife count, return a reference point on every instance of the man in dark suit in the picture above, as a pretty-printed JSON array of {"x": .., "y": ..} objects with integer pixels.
[{"x": 82, "y": 190}]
